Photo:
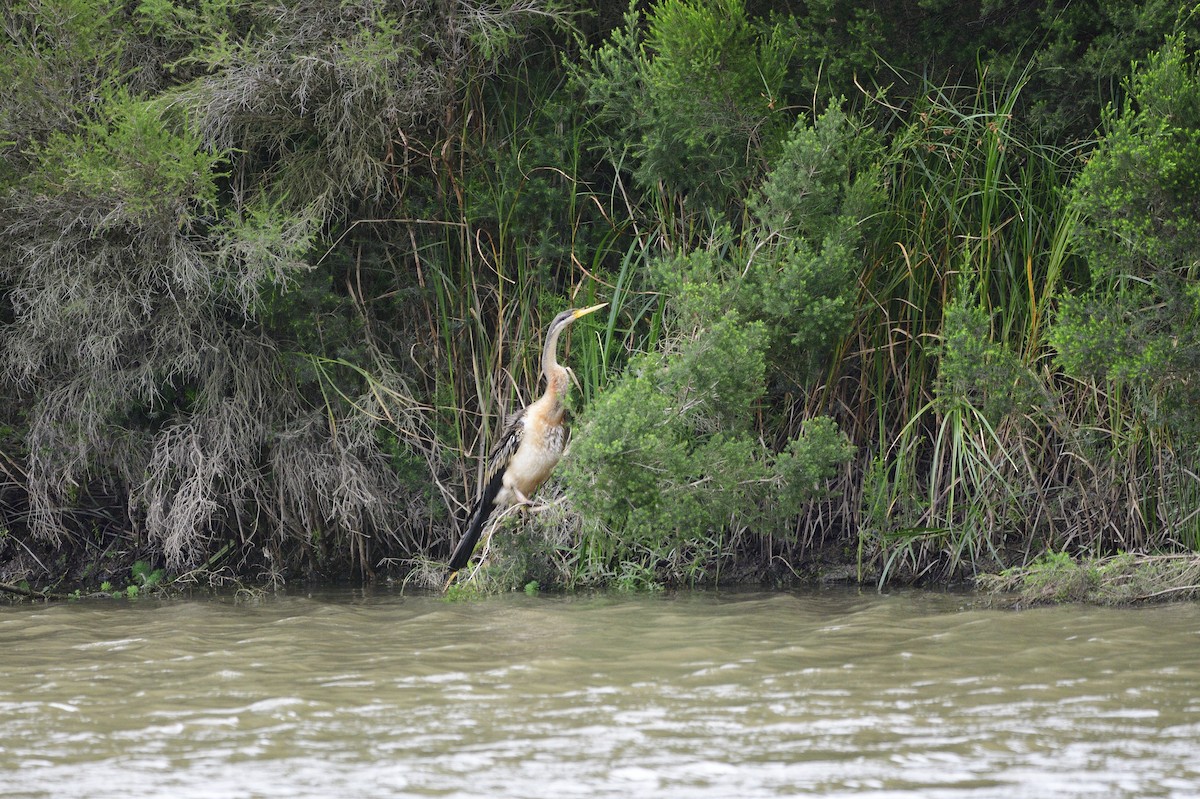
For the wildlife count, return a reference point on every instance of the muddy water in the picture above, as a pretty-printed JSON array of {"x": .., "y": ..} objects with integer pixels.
[{"x": 835, "y": 693}]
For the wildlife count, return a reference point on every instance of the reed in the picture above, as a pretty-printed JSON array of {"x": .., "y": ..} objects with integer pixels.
[{"x": 977, "y": 229}]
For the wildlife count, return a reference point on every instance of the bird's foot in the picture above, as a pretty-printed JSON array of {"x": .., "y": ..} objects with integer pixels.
[
  {"x": 544, "y": 505},
  {"x": 527, "y": 505}
]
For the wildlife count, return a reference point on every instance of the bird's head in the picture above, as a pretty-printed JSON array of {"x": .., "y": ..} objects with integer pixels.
[
  {"x": 561, "y": 322},
  {"x": 565, "y": 318},
  {"x": 585, "y": 311}
]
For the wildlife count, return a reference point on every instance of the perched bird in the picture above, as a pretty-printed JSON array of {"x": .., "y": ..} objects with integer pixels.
[{"x": 530, "y": 448}]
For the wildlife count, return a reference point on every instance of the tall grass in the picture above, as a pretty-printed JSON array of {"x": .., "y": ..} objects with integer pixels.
[{"x": 978, "y": 218}]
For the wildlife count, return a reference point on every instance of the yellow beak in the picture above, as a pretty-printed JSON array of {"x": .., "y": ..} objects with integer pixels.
[{"x": 586, "y": 311}]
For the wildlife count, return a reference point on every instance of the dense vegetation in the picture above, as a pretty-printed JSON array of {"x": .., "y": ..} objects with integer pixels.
[{"x": 901, "y": 290}]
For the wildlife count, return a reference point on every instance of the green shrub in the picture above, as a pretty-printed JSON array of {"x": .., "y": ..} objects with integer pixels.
[
  {"x": 1086, "y": 53},
  {"x": 694, "y": 94},
  {"x": 977, "y": 370},
  {"x": 795, "y": 270},
  {"x": 837, "y": 42},
  {"x": 668, "y": 460},
  {"x": 129, "y": 161},
  {"x": 665, "y": 450},
  {"x": 672, "y": 461},
  {"x": 1139, "y": 204}
]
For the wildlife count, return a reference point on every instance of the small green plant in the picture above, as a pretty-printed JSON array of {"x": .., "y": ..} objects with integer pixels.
[
  {"x": 1055, "y": 574},
  {"x": 143, "y": 579},
  {"x": 637, "y": 577},
  {"x": 146, "y": 577},
  {"x": 460, "y": 591}
]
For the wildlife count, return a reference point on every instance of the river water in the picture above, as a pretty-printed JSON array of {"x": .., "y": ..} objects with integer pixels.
[{"x": 700, "y": 694}]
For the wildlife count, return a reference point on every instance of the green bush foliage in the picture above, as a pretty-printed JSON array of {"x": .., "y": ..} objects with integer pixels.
[
  {"x": 129, "y": 160},
  {"x": 794, "y": 271},
  {"x": 672, "y": 454},
  {"x": 1139, "y": 204},
  {"x": 668, "y": 457},
  {"x": 665, "y": 449},
  {"x": 1085, "y": 54},
  {"x": 977, "y": 371},
  {"x": 693, "y": 93},
  {"x": 835, "y": 43}
]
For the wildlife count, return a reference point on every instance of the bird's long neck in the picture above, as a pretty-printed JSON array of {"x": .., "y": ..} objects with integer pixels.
[{"x": 557, "y": 380}]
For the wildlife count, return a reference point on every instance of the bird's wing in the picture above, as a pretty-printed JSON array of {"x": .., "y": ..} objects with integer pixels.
[
  {"x": 493, "y": 479},
  {"x": 506, "y": 447}
]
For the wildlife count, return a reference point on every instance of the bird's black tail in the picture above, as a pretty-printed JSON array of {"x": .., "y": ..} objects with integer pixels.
[{"x": 479, "y": 516}]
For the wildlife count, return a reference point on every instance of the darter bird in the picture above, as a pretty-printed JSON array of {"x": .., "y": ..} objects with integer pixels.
[{"x": 530, "y": 447}]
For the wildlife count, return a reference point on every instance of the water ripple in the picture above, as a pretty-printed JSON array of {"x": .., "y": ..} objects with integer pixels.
[{"x": 833, "y": 694}]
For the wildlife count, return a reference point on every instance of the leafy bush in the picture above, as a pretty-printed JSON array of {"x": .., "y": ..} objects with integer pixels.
[
  {"x": 115, "y": 297},
  {"x": 314, "y": 94},
  {"x": 127, "y": 161},
  {"x": 58, "y": 52},
  {"x": 668, "y": 459},
  {"x": 1086, "y": 56},
  {"x": 836, "y": 43},
  {"x": 795, "y": 270},
  {"x": 1139, "y": 200},
  {"x": 671, "y": 458},
  {"x": 694, "y": 94},
  {"x": 661, "y": 452},
  {"x": 976, "y": 370}
]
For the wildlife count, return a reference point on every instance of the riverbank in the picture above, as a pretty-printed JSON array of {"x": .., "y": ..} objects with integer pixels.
[{"x": 1124, "y": 579}]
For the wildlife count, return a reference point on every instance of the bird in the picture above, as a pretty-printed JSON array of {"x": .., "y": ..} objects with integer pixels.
[{"x": 530, "y": 447}]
